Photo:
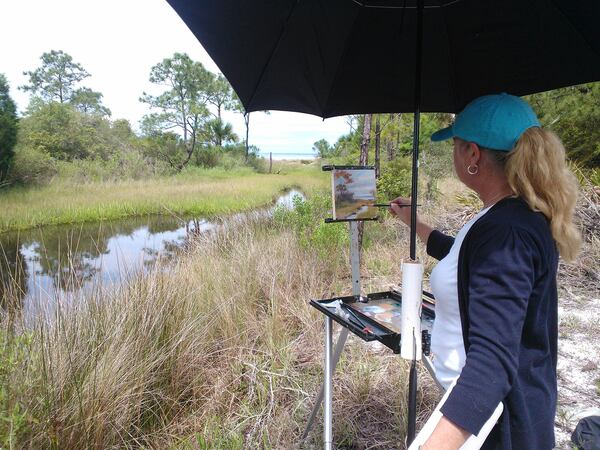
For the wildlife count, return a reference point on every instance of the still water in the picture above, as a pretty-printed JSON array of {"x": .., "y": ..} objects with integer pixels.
[{"x": 62, "y": 262}]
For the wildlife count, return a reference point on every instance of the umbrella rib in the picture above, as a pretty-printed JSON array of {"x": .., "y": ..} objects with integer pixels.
[
  {"x": 273, "y": 51},
  {"x": 364, "y": 5},
  {"x": 570, "y": 22},
  {"x": 452, "y": 65}
]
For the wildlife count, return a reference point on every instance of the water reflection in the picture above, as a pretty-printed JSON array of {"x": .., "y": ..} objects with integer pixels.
[{"x": 63, "y": 262}]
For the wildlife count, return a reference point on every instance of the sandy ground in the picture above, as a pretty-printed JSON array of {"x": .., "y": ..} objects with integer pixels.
[
  {"x": 579, "y": 326},
  {"x": 578, "y": 361}
]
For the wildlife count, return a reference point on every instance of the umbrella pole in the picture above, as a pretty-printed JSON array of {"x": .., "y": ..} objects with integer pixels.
[
  {"x": 412, "y": 383},
  {"x": 416, "y": 126}
]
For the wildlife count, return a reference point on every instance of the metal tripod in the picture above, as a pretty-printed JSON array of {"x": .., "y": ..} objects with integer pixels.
[{"x": 332, "y": 358}]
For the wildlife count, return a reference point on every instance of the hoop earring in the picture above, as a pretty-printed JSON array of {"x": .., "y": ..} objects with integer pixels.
[{"x": 472, "y": 170}]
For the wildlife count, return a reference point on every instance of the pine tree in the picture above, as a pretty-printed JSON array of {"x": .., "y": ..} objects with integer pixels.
[{"x": 8, "y": 128}]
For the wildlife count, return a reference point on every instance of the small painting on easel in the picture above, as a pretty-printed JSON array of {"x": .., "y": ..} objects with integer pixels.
[{"x": 354, "y": 194}]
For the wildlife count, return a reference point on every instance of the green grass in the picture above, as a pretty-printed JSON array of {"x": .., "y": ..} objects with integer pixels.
[
  {"x": 220, "y": 351},
  {"x": 202, "y": 192}
]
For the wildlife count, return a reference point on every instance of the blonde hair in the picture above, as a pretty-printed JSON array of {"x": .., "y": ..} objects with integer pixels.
[{"x": 537, "y": 172}]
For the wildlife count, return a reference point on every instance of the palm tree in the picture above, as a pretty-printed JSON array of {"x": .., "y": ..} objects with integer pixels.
[{"x": 220, "y": 132}]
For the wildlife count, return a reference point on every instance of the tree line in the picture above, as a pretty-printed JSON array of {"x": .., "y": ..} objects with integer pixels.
[
  {"x": 66, "y": 124},
  {"x": 385, "y": 140}
]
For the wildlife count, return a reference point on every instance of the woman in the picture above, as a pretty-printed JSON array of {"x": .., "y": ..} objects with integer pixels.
[{"x": 495, "y": 284}]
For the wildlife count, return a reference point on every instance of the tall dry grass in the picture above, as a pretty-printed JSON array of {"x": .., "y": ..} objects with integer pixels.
[{"x": 219, "y": 351}]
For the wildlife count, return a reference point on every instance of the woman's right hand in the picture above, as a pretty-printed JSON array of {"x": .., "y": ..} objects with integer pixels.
[{"x": 403, "y": 213}]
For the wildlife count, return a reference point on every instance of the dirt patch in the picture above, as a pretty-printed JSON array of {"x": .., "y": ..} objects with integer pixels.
[
  {"x": 579, "y": 333},
  {"x": 578, "y": 363}
]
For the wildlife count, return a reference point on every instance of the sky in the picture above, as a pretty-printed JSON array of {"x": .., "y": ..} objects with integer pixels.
[{"x": 118, "y": 42}]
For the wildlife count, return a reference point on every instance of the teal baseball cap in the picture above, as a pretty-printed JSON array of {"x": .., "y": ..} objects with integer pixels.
[{"x": 492, "y": 121}]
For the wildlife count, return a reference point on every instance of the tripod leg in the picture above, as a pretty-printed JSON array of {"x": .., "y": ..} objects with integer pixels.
[
  {"x": 429, "y": 366},
  {"x": 412, "y": 403},
  {"x": 339, "y": 346},
  {"x": 328, "y": 401}
]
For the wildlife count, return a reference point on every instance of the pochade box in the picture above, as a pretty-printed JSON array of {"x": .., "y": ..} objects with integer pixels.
[{"x": 377, "y": 317}]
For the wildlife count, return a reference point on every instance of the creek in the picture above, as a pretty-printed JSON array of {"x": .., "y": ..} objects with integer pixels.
[{"x": 66, "y": 261}]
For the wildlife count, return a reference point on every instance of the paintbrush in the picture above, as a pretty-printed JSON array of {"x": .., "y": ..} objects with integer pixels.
[{"x": 387, "y": 205}]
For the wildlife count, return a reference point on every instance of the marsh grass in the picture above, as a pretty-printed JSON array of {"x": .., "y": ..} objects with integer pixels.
[
  {"x": 219, "y": 351},
  {"x": 204, "y": 192}
]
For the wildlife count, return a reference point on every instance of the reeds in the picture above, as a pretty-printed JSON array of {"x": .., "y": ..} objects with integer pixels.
[
  {"x": 200, "y": 192},
  {"x": 220, "y": 350}
]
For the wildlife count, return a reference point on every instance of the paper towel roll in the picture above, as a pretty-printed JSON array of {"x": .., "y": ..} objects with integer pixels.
[{"x": 412, "y": 288}]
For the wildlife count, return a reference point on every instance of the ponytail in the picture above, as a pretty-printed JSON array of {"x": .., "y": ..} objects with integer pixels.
[{"x": 537, "y": 172}]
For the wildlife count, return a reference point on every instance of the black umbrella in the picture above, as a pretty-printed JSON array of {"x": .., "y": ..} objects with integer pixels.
[{"x": 338, "y": 57}]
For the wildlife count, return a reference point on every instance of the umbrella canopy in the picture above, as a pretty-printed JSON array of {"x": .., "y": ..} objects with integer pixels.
[{"x": 337, "y": 57}]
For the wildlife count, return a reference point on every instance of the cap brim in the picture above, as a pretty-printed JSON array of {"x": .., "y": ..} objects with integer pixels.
[{"x": 442, "y": 135}]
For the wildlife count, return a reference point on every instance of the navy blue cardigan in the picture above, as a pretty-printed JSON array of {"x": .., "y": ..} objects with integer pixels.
[{"x": 508, "y": 304}]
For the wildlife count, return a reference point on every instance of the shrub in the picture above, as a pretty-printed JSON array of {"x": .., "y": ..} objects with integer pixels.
[
  {"x": 32, "y": 166},
  {"x": 259, "y": 164},
  {"x": 83, "y": 170},
  {"x": 65, "y": 133},
  {"x": 436, "y": 162},
  {"x": 330, "y": 238},
  {"x": 230, "y": 157},
  {"x": 230, "y": 161},
  {"x": 395, "y": 179},
  {"x": 132, "y": 164},
  {"x": 238, "y": 152},
  {"x": 129, "y": 164},
  {"x": 307, "y": 219},
  {"x": 208, "y": 157}
]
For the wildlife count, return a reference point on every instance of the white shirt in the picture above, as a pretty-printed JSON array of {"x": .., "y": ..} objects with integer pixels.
[{"x": 447, "y": 346}]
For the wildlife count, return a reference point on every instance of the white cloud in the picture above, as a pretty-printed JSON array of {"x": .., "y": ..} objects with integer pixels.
[{"x": 117, "y": 42}]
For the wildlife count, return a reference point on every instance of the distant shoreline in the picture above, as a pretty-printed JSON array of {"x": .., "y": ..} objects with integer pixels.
[{"x": 281, "y": 156}]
